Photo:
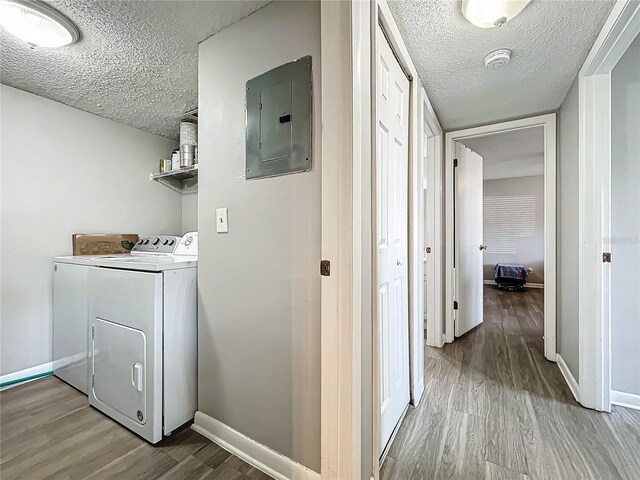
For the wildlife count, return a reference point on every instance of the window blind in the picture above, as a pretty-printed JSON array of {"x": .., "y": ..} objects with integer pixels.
[{"x": 507, "y": 217}]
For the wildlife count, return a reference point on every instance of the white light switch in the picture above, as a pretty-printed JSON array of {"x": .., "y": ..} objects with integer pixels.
[{"x": 221, "y": 220}]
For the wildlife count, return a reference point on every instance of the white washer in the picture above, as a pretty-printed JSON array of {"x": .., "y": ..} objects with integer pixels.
[{"x": 143, "y": 319}]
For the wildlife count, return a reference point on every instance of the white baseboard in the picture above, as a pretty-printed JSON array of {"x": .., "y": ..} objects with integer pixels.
[
  {"x": 623, "y": 399},
  {"x": 439, "y": 342},
  {"x": 27, "y": 374},
  {"x": 526, "y": 285},
  {"x": 568, "y": 377},
  {"x": 260, "y": 456}
]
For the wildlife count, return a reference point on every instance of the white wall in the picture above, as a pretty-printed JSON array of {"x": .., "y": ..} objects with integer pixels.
[
  {"x": 567, "y": 232},
  {"x": 65, "y": 171},
  {"x": 527, "y": 238},
  {"x": 190, "y": 212},
  {"x": 259, "y": 311},
  {"x": 625, "y": 222}
]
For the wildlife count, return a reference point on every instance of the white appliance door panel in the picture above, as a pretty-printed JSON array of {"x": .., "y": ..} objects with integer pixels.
[
  {"x": 119, "y": 362},
  {"x": 469, "y": 233},
  {"x": 125, "y": 308}
]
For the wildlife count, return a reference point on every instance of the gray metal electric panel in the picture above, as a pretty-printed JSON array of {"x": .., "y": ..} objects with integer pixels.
[{"x": 279, "y": 121}]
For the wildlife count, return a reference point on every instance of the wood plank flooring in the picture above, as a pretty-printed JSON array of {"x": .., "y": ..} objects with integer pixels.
[
  {"x": 48, "y": 431},
  {"x": 495, "y": 408}
]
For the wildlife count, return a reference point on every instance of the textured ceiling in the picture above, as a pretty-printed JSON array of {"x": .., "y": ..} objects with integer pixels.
[
  {"x": 519, "y": 153},
  {"x": 136, "y": 62},
  {"x": 550, "y": 40}
]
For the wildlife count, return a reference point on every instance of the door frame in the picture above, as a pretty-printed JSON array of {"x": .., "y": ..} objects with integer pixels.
[
  {"x": 349, "y": 406},
  {"x": 342, "y": 308},
  {"x": 432, "y": 216},
  {"x": 420, "y": 111},
  {"x": 548, "y": 122},
  {"x": 594, "y": 166}
]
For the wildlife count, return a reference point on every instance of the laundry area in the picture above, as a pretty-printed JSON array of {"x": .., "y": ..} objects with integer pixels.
[{"x": 155, "y": 268}]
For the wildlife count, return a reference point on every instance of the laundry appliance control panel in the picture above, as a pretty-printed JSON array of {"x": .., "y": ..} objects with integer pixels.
[{"x": 156, "y": 244}]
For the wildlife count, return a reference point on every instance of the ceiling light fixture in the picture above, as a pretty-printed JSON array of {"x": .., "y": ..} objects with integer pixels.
[
  {"x": 36, "y": 23},
  {"x": 491, "y": 13}
]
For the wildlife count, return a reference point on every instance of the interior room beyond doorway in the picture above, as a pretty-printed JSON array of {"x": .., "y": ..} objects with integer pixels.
[{"x": 499, "y": 212}]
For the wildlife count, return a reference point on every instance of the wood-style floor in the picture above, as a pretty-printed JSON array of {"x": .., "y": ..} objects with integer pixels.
[
  {"x": 495, "y": 408},
  {"x": 48, "y": 431}
]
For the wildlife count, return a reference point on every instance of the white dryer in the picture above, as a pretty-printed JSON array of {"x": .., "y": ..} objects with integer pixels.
[{"x": 143, "y": 337}]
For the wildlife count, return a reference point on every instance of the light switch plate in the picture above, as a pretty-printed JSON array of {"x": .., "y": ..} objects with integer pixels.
[{"x": 222, "y": 225}]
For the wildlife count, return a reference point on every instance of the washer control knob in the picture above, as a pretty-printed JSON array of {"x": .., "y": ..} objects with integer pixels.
[
  {"x": 172, "y": 241},
  {"x": 140, "y": 241},
  {"x": 146, "y": 240},
  {"x": 166, "y": 242},
  {"x": 156, "y": 241}
]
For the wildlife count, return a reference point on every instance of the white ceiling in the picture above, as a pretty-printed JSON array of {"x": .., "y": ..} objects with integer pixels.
[
  {"x": 519, "y": 153},
  {"x": 136, "y": 62},
  {"x": 550, "y": 40}
]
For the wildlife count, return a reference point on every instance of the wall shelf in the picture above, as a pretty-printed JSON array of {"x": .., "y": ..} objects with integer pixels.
[{"x": 184, "y": 180}]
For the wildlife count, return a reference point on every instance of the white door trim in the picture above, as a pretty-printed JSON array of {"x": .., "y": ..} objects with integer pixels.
[
  {"x": 547, "y": 121},
  {"x": 594, "y": 165},
  {"x": 432, "y": 168},
  {"x": 340, "y": 328}
]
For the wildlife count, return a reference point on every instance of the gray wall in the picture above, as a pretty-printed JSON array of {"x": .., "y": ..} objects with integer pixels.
[
  {"x": 529, "y": 245},
  {"x": 65, "y": 171},
  {"x": 259, "y": 311},
  {"x": 625, "y": 222},
  {"x": 567, "y": 232},
  {"x": 189, "y": 212}
]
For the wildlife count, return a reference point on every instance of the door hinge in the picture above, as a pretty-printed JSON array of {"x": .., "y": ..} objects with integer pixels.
[
  {"x": 325, "y": 268},
  {"x": 93, "y": 332},
  {"x": 455, "y": 162},
  {"x": 455, "y": 304},
  {"x": 93, "y": 381},
  {"x": 606, "y": 257}
]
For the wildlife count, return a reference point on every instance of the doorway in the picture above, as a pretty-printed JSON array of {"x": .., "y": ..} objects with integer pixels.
[
  {"x": 600, "y": 123},
  {"x": 499, "y": 222},
  {"x": 465, "y": 261}
]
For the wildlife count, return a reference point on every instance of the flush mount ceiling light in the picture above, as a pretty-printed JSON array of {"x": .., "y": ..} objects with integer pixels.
[
  {"x": 36, "y": 23},
  {"x": 491, "y": 13}
]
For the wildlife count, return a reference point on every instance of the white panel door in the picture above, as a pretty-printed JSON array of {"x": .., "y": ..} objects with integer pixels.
[
  {"x": 392, "y": 158},
  {"x": 469, "y": 233}
]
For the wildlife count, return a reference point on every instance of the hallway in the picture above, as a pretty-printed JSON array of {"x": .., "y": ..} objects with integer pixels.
[{"x": 495, "y": 408}]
